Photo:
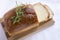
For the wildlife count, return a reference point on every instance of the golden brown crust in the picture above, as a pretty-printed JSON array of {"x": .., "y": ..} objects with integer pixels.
[{"x": 25, "y": 29}]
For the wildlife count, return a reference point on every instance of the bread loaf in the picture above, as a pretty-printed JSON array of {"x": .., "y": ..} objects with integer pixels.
[{"x": 37, "y": 13}]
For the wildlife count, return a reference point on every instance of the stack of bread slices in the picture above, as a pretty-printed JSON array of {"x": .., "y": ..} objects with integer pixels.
[{"x": 43, "y": 12}]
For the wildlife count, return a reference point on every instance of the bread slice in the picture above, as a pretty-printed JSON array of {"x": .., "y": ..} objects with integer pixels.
[
  {"x": 49, "y": 11},
  {"x": 41, "y": 12}
]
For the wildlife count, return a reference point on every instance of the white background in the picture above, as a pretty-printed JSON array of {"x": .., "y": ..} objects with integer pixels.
[{"x": 50, "y": 33}]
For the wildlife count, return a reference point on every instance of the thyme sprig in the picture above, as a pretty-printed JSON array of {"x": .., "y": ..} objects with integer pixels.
[{"x": 19, "y": 13}]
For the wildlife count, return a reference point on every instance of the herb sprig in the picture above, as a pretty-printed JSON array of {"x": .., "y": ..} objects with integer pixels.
[{"x": 19, "y": 13}]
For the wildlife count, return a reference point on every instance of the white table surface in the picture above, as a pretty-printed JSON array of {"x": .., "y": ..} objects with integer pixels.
[{"x": 50, "y": 33}]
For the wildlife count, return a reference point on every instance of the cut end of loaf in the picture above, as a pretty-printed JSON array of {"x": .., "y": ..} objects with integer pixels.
[{"x": 41, "y": 12}]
